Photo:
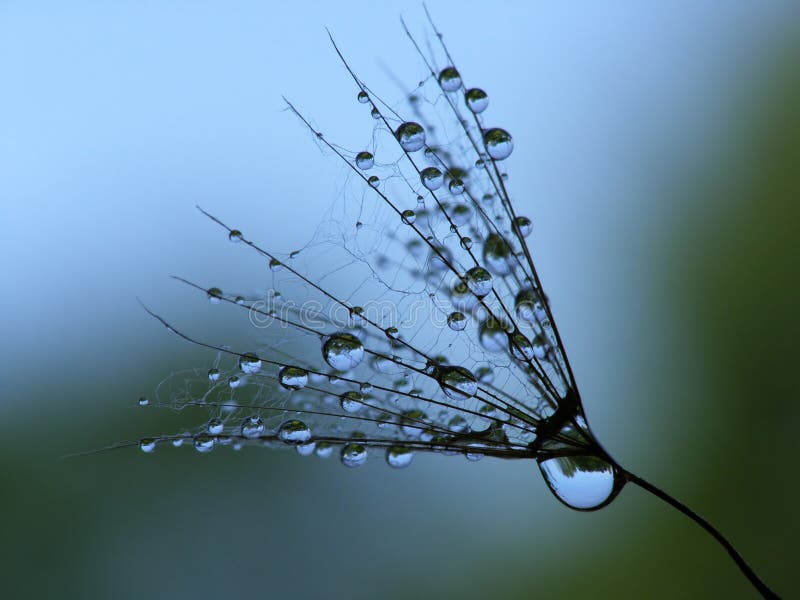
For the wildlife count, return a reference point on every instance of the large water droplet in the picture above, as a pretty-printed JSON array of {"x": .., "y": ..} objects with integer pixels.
[
  {"x": 365, "y": 160},
  {"x": 399, "y": 457},
  {"x": 203, "y": 443},
  {"x": 293, "y": 378},
  {"x": 477, "y": 100},
  {"x": 408, "y": 216},
  {"x": 457, "y": 382},
  {"x": 252, "y": 426},
  {"x": 449, "y": 79},
  {"x": 351, "y": 401},
  {"x": 362, "y": 97},
  {"x": 411, "y": 136},
  {"x": 215, "y": 426},
  {"x": 457, "y": 321},
  {"x": 498, "y": 143},
  {"x": 479, "y": 281},
  {"x": 497, "y": 254},
  {"x": 354, "y": 455},
  {"x": 580, "y": 482},
  {"x": 147, "y": 445},
  {"x": 431, "y": 178},
  {"x": 249, "y": 363},
  {"x": 493, "y": 335},
  {"x": 529, "y": 306},
  {"x": 235, "y": 235},
  {"x": 525, "y": 226},
  {"x": 343, "y": 351},
  {"x": 214, "y": 295},
  {"x": 294, "y": 432}
]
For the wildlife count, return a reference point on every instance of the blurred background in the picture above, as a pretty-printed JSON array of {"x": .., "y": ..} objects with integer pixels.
[{"x": 658, "y": 152}]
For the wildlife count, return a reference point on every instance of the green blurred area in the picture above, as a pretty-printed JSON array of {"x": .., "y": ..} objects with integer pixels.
[{"x": 179, "y": 525}]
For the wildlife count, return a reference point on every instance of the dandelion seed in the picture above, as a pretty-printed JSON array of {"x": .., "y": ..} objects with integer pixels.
[{"x": 370, "y": 371}]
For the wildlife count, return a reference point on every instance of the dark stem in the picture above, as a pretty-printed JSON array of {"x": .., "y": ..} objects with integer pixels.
[{"x": 745, "y": 568}]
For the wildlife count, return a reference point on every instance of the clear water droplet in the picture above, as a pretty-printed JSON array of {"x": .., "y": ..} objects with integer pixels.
[
  {"x": 457, "y": 382},
  {"x": 457, "y": 321},
  {"x": 466, "y": 243},
  {"x": 215, "y": 426},
  {"x": 362, "y": 97},
  {"x": 493, "y": 336},
  {"x": 214, "y": 295},
  {"x": 399, "y": 457},
  {"x": 294, "y": 432},
  {"x": 477, "y": 100},
  {"x": 365, "y": 160},
  {"x": 306, "y": 449},
  {"x": 524, "y": 225},
  {"x": 498, "y": 143},
  {"x": 249, "y": 363},
  {"x": 431, "y": 178},
  {"x": 143, "y": 401},
  {"x": 408, "y": 216},
  {"x": 521, "y": 347},
  {"x": 581, "y": 482},
  {"x": 275, "y": 265},
  {"x": 343, "y": 351},
  {"x": 351, "y": 402},
  {"x": 479, "y": 281},
  {"x": 449, "y": 79},
  {"x": 213, "y": 374},
  {"x": 456, "y": 186},
  {"x": 376, "y": 114},
  {"x": 324, "y": 449},
  {"x": 411, "y": 136},
  {"x": 252, "y": 426},
  {"x": 373, "y": 180},
  {"x": 234, "y": 382},
  {"x": 529, "y": 306},
  {"x": 497, "y": 255},
  {"x": 203, "y": 443},
  {"x": 354, "y": 455},
  {"x": 293, "y": 378},
  {"x": 147, "y": 445},
  {"x": 235, "y": 236}
]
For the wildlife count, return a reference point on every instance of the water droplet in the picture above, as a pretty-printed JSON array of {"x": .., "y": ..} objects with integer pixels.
[
  {"x": 214, "y": 295},
  {"x": 580, "y": 482},
  {"x": 252, "y": 426},
  {"x": 215, "y": 426},
  {"x": 458, "y": 424},
  {"x": 457, "y": 321},
  {"x": 365, "y": 160},
  {"x": 477, "y": 100},
  {"x": 524, "y": 225},
  {"x": 147, "y": 445},
  {"x": 203, "y": 443},
  {"x": 324, "y": 449},
  {"x": 234, "y": 382},
  {"x": 431, "y": 178},
  {"x": 376, "y": 114},
  {"x": 306, "y": 449},
  {"x": 391, "y": 332},
  {"x": 293, "y": 378},
  {"x": 498, "y": 143},
  {"x": 540, "y": 346},
  {"x": 497, "y": 254},
  {"x": 411, "y": 136},
  {"x": 449, "y": 79},
  {"x": 249, "y": 363},
  {"x": 294, "y": 432},
  {"x": 343, "y": 351},
  {"x": 529, "y": 306},
  {"x": 408, "y": 216},
  {"x": 492, "y": 335},
  {"x": 479, "y": 281},
  {"x": 460, "y": 214},
  {"x": 457, "y": 383},
  {"x": 456, "y": 186},
  {"x": 373, "y": 180},
  {"x": 275, "y": 265},
  {"x": 399, "y": 457},
  {"x": 412, "y": 422},
  {"x": 466, "y": 243},
  {"x": 362, "y": 97},
  {"x": 354, "y": 455},
  {"x": 484, "y": 374},
  {"x": 143, "y": 401},
  {"x": 520, "y": 347},
  {"x": 177, "y": 442},
  {"x": 235, "y": 236},
  {"x": 213, "y": 374},
  {"x": 351, "y": 401}
]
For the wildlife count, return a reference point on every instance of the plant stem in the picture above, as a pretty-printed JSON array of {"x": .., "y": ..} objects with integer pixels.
[{"x": 745, "y": 568}]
